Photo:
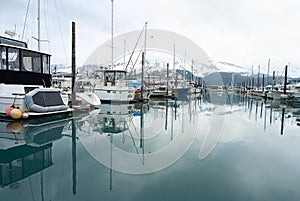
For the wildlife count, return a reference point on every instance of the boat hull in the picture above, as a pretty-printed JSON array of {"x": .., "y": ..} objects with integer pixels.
[
  {"x": 16, "y": 95},
  {"x": 89, "y": 98},
  {"x": 114, "y": 95}
]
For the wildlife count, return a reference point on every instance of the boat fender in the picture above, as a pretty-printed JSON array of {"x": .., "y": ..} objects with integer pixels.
[
  {"x": 16, "y": 113},
  {"x": 8, "y": 110},
  {"x": 25, "y": 115}
]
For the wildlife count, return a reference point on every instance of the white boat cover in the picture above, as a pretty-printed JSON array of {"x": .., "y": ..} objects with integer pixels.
[{"x": 43, "y": 100}]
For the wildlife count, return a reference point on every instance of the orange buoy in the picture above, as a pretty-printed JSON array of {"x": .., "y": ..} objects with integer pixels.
[
  {"x": 8, "y": 110},
  {"x": 16, "y": 113}
]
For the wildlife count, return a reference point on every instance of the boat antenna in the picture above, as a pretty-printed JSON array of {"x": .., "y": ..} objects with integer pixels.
[
  {"x": 25, "y": 20},
  {"x": 112, "y": 34},
  {"x": 11, "y": 33}
]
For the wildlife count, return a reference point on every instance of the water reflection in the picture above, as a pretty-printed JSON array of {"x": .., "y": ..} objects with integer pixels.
[
  {"x": 275, "y": 112},
  {"x": 26, "y": 149},
  {"x": 215, "y": 144},
  {"x": 23, "y": 161}
]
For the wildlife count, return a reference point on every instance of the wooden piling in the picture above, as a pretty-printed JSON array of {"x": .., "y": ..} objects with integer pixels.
[{"x": 73, "y": 65}]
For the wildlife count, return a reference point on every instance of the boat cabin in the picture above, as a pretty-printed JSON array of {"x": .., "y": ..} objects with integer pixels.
[
  {"x": 111, "y": 77},
  {"x": 20, "y": 65}
]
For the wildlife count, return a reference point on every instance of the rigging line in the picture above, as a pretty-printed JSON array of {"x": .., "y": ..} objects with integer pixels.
[
  {"x": 127, "y": 50},
  {"x": 137, "y": 58},
  {"x": 60, "y": 30},
  {"x": 133, "y": 141},
  {"x": 30, "y": 184},
  {"x": 135, "y": 47},
  {"x": 133, "y": 125},
  {"x": 25, "y": 20}
]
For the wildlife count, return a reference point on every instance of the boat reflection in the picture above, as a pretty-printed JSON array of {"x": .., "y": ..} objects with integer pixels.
[
  {"x": 34, "y": 132},
  {"x": 275, "y": 111},
  {"x": 26, "y": 147},
  {"x": 23, "y": 161},
  {"x": 113, "y": 118}
]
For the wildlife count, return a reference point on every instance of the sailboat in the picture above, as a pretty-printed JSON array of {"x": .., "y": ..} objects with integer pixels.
[
  {"x": 110, "y": 83},
  {"x": 181, "y": 89}
]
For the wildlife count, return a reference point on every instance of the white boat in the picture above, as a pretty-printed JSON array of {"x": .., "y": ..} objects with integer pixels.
[
  {"x": 85, "y": 93},
  {"x": 88, "y": 98},
  {"x": 84, "y": 90},
  {"x": 181, "y": 92},
  {"x": 161, "y": 92},
  {"x": 110, "y": 86},
  {"x": 25, "y": 82}
]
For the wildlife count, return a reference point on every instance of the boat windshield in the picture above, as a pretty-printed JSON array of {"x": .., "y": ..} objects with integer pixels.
[
  {"x": 120, "y": 75},
  {"x": 114, "y": 76}
]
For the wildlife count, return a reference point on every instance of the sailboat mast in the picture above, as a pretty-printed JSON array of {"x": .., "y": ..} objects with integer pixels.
[
  {"x": 112, "y": 34},
  {"x": 142, "y": 81},
  {"x": 258, "y": 77},
  {"x": 268, "y": 69},
  {"x": 124, "y": 54},
  {"x": 39, "y": 25},
  {"x": 145, "y": 39},
  {"x": 184, "y": 77},
  {"x": 174, "y": 56},
  {"x": 175, "y": 71},
  {"x": 252, "y": 79}
]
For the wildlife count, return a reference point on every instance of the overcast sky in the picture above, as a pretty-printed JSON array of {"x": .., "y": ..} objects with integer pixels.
[{"x": 243, "y": 32}]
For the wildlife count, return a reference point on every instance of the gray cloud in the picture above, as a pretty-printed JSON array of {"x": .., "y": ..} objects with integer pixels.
[{"x": 242, "y": 32}]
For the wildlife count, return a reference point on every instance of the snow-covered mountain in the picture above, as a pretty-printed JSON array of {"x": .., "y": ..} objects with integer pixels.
[
  {"x": 155, "y": 68},
  {"x": 226, "y": 67},
  {"x": 60, "y": 69},
  {"x": 199, "y": 69}
]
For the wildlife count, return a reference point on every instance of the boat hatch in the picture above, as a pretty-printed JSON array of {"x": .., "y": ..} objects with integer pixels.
[
  {"x": 47, "y": 98},
  {"x": 43, "y": 100}
]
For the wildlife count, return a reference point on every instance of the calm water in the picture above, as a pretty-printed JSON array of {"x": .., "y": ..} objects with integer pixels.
[{"x": 214, "y": 147}]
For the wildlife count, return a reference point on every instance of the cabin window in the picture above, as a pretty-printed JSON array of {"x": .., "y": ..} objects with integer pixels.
[
  {"x": 3, "y": 58},
  {"x": 37, "y": 62},
  {"x": 46, "y": 64},
  {"x": 13, "y": 59},
  {"x": 110, "y": 78},
  {"x": 31, "y": 61},
  {"x": 99, "y": 75},
  {"x": 27, "y": 64}
]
